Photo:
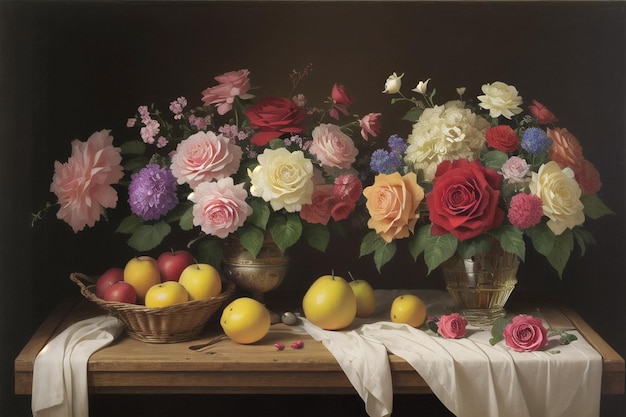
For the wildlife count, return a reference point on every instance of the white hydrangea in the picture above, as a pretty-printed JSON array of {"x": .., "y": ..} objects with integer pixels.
[{"x": 442, "y": 133}]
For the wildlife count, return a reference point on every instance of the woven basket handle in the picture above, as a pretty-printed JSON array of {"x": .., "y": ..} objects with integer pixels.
[{"x": 80, "y": 280}]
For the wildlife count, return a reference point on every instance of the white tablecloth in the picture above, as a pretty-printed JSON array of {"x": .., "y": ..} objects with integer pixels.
[{"x": 469, "y": 376}]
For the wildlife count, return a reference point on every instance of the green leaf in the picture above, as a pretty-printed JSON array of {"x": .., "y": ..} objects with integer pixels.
[
  {"x": 417, "y": 243},
  {"x": 286, "y": 230},
  {"x": 542, "y": 238},
  {"x": 177, "y": 212},
  {"x": 438, "y": 249},
  {"x": 594, "y": 207},
  {"x": 471, "y": 247},
  {"x": 497, "y": 330},
  {"x": 277, "y": 143},
  {"x": 317, "y": 236},
  {"x": 210, "y": 252},
  {"x": 149, "y": 236},
  {"x": 511, "y": 239},
  {"x": 260, "y": 213},
  {"x": 494, "y": 159},
  {"x": 567, "y": 338},
  {"x": 384, "y": 254},
  {"x": 414, "y": 114},
  {"x": 338, "y": 229},
  {"x": 186, "y": 220},
  {"x": 583, "y": 238},
  {"x": 251, "y": 238},
  {"x": 135, "y": 164},
  {"x": 563, "y": 246},
  {"x": 133, "y": 147},
  {"x": 370, "y": 243},
  {"x": 129, "y": 224}
]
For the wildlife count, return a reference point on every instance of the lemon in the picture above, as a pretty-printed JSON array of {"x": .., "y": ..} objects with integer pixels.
[
  {"x": 245, "y": 320},
  {"x": 408, "y": 309}
]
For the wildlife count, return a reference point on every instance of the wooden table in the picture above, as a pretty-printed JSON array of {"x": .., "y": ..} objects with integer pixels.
[{"x": 133, "y": 367}]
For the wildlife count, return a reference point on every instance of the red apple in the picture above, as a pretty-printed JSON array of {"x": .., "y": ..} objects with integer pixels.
[
  {"x": 171, "y": 264},
  {"x": 109, "y": 277},
  {"x": 121, "y": 292}
]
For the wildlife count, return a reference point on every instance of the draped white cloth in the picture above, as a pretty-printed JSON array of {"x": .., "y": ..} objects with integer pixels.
[{"x": 469, "y": 376}]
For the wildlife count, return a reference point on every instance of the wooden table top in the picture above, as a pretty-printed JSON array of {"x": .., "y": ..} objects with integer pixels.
[{"x": 133, "y": 367}]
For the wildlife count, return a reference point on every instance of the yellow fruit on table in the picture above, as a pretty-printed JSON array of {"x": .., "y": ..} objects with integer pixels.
[
  {"x": 408, "y": 309},
  {"x": 245, "y": 320},
  {"x": 330, "y": 303},
  {"x": 201, "y": 281},
  {"x": 365, "y": 298},
  {"x": 142, "y": 273},
  {"x": 166, "y": 294}
]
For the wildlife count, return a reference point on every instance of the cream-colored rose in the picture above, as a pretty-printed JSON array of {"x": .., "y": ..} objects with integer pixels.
[
  {"x": 442, "y": 133},
  {"x": 560, "y": 195},
  {"x": 422, "y": 87},
  {"x": 332, "y": 147},
  {"x": 500, "y": 99},
  {"x": 393, "y": 84},
  {"x": 283, "y": 178}
]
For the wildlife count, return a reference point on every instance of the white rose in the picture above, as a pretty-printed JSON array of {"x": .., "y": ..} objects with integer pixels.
[
  {"x": 560, "y": 194},
  {"x": 283, "y": 178},
  {"x": 393, "y": 84},
  {"x": 500, "y": 99},
  {"x": 442, "y": 133}
]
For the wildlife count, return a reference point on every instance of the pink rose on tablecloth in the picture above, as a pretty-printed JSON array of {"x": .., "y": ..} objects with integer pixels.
[
  {"x": 525, "y": 334},
  {"x": 83, "y": 184},
  {"x": 205, "y": 156},
  {"x": 272, "y": 117},
  {"x": 220, "y": 207},
  {"x": 332, "y": 147},
  {"x": 370, "y": 125},
  {"x": 322, "y": 202},
  {"x": 231, "y": 85},
  {"x": 541, "y": 113},
  {"x": 348, "y": 187},
  {"x": 452, "y": 326}
]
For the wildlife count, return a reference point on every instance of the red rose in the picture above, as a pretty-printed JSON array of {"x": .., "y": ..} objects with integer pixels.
[
  {"x": 525, "y": 334},
  {"x": 274, "y": 116},
  {"x": 340, "y": 95},
  {"x": 502, "y": 138},
  {"x": 464, "y": 200},
  {"x": 541, "y": 113}
]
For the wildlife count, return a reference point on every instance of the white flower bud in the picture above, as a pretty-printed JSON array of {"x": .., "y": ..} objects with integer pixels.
[{"x": 393, "y": 84}]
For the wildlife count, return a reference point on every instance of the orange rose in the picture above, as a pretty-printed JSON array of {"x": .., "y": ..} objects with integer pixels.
[
  {"x": 392, "y": 202},
  {"x": 565, "y": 149}
]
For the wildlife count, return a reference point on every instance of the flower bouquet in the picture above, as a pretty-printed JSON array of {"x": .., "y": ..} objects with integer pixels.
[
  {"x": 235, "y": 164},
  {"x": 478, "y": 173}
]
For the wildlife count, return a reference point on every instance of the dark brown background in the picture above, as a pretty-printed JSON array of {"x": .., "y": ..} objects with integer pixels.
[{"x": 69, "y": 69}]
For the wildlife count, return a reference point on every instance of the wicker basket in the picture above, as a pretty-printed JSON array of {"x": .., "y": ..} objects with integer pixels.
[{"x": 172, "y": 324}]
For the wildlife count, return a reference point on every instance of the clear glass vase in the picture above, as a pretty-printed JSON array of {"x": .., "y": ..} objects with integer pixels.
[{"x": 480, "y": 286}]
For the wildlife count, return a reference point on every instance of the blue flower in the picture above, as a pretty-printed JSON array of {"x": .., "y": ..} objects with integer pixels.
[
  {"x": 535, "y": 140},
  {"x": 152, "y": 192}
]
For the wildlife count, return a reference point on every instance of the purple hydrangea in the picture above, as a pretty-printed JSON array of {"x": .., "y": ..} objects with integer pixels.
[
  {"x": 152, "y": 192},
  {"x": 388, "y": 162},
  {"x": 535, "y": 140}
]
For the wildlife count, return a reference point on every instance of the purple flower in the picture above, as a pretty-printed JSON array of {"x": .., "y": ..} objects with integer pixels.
[
  {"x": 535, "y": 140},
  {"x": 384, "y": 162},
  {"x": 152, "y": 192}
]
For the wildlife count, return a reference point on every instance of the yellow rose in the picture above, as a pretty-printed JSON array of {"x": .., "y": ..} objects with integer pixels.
[
  {"x": 560, "y": 195},
  {"x": 392, "y": 202},
  {"x": 283, "y": 179}
]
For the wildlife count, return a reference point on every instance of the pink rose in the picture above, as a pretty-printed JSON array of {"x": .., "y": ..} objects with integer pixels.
[
  {"x": 205, "y": 156},
  {"x": 322, "y": 202},
  {"x": 348, "y": 187},
  {"x": 332, "y": 147},
  {"x": 541, "y": 113},
  {"x": 370, "y": 125},
  {"x": 220, "y": 207},
  {"x": 83, "y": 184},
  {"x": 452, "y": 326},
  {"x": 231, "y": 85},
  {"x": 341, "y": 210},
  {"x": 588, "y": 178},
  {"x": 525, "y": 334},
  {"x": 272, "y": 117},
  {"x": 515, "y": 169}
]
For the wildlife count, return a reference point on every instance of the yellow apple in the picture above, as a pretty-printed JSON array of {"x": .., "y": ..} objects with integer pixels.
[
  {"x": 330, "y": 303},
  {"x": 142, "y": 272},
  {"x": 201, "y": 281},
  {"x": 365, "y": 298},
  {"x": 245, "y": 320},
  {"x": 408, "y": 309},
  {"x": 166, "y": 294}
]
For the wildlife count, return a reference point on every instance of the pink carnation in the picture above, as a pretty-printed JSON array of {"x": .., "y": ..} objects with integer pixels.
[
  {"x": 370, "y": 125},
  {"x": 332, "y": 147},
  {"x": 83, "y": 184},
  {"x": 452, "y": 326},
  {"x": 231, "y": 85},
  {"x": 525, "y": 210},
  {"x": 348, "y": 187},
  {"x": 220, "y": 207},
  {"x": 205, "y": 156}
]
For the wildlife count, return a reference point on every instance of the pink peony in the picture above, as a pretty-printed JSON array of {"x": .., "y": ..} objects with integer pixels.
[
  {"x": 322, "y": 202},
  {"x": 541, "y": 113},
  {"x": 83, "y": 184},
  {"x": 525, "y": 210},
  {"x": 332, "y": 147},
  {"x": 231, "y": 85},
  {"x": 220, "y": 207},
  {"x": 525, "y": 334},
  {"x": 452, "y": 326},
  {"x": 348, "y": 187},
  {"x": 370, "y": 125},
  {"x": 205, "y": 156}
]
